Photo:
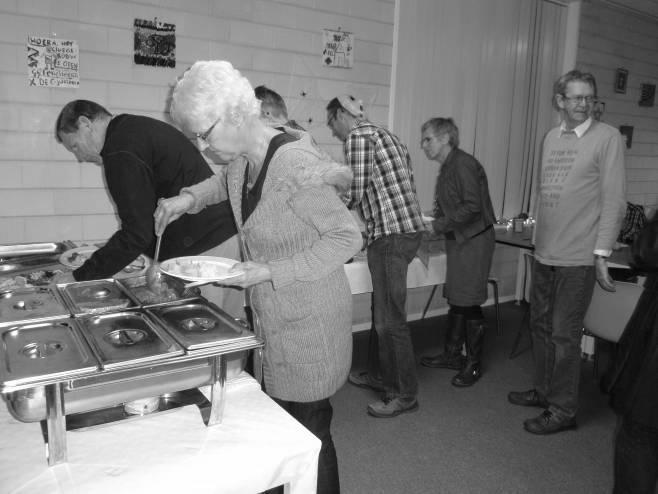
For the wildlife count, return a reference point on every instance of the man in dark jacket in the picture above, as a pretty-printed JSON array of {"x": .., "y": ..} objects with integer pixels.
[
  {"x": 143, "y": 159},
  {"x": 634, "y": 387}
]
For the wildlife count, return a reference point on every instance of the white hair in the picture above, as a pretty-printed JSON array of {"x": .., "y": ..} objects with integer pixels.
[{"x": 210, "y": 90}]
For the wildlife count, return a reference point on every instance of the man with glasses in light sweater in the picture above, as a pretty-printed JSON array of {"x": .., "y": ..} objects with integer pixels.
[{"x": 581, "y": 205}]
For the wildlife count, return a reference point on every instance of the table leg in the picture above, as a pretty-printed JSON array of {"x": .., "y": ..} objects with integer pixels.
[
  {"x": 429, "y": 301},
  {"x": 56, "y": 424},
  {"x": 217, "y": 389},
  {"x": 519, "y": 294}
]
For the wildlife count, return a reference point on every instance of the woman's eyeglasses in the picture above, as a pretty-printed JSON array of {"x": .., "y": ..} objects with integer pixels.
[{"x": 204, "y": 136}]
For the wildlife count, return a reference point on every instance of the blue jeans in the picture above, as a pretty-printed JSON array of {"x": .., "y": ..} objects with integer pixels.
[
  {"x": 636, "y": 458},
  {"x": 388, "y": 261},
  {"x": 316, "y": 417},
  {"x": 559, "y": 299}
]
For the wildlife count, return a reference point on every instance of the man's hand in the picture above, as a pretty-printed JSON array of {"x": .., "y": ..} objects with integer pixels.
[{"x": 602, "y": 275}]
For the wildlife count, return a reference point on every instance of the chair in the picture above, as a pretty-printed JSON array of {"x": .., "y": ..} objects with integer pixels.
[{"x": 609, "y": 312}]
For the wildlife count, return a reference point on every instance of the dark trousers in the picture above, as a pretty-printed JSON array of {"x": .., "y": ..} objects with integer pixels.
[
  {"x": 559, "y": 299},
  {"x": 316, "y": 417},
  {"x": 636, "y": 458},
  {"x": 388, "y": 262}
]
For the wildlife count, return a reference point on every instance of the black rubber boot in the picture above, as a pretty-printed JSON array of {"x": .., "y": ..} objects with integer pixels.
[
  {"x": 452, "y": 357},
  {"x": 472, "y": 371}
]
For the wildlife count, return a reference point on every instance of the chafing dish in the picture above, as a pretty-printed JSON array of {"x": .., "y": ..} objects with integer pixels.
[
  {"x": 127, "y": 339},
  {"x": 197, "y": 325},
  {"x": 17, "y": 250},
  {"x": 77, "y": 372},
  {"x": 38, "y": 303},
  {"x": 96, "y": 296},
  {"x": 173, "y": 290},
  {"x": 44, "y": 352}
]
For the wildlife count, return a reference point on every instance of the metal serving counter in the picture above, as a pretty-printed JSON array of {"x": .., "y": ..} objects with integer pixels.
[{"x": 82, "y": 354}]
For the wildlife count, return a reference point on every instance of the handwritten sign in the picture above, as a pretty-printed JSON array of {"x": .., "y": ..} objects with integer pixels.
[
  {"x": 52, "y": 62},
  {"x": 155, "y": 43},
  {"x": 338, "y": 49}
]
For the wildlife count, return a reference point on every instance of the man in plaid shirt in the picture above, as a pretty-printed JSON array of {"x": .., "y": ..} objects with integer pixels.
[{"x": 384, "y": 194}]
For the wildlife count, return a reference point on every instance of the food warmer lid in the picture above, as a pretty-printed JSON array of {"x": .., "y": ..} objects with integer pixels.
[
  {"x": 30, "y": 304},
  {"x": 127, "y": 339},
  {"x": 13, "y": 250},
  {"x": 43, "y": 353},
  {"x": 95, "y": 296},
  {"x": 199, "y": 324}
]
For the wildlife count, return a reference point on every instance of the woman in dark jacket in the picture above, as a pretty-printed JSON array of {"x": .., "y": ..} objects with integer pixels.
[
  {"x": 634, "y": 382},
  {"x": 464, "y": 214}
]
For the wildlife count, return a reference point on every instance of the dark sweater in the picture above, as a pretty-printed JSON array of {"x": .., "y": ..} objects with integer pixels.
[
  {"x": 635, "y": 373},
  {"x": 145, "y": 159}
]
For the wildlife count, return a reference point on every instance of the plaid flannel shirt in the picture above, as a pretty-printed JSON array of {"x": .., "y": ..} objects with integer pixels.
[{"x": 383, "y": 189}]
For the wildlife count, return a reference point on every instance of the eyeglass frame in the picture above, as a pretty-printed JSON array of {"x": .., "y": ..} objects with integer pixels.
[
  {"x": 204, "y": 135},
  {"x": 590, "y": 100}
]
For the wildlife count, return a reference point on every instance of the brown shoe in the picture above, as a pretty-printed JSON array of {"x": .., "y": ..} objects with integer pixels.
[
  {"x": 364, "y": 380},
  {"x": 528, "y": 398},
  {"x": 392, "y": 407},
  {"x": 549, "y": 423}
]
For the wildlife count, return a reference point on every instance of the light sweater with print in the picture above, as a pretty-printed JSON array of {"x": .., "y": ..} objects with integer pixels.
[{"x": 581, "y": 195}]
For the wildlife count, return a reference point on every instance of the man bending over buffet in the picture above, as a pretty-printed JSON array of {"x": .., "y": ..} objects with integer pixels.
[{"x": 145, "y": 159}]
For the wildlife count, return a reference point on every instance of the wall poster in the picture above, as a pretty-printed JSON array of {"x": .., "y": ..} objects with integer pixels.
[
  {"x": 52, "y": 62},
  {"x": 155, "y": 43},
  {"x": 338, "y": 49}
]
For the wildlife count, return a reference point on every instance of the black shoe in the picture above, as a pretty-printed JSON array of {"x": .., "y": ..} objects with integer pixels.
[
  {"x": 528, "y": 398},
  {"x": 549, "y": 423},
  {"x": 468, "y": 376},
  {"x": 444, "y": 361},
  {"x": 364, "y": 380}
]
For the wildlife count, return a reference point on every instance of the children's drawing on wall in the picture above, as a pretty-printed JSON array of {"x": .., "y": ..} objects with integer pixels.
[
  {"x": 52, "y": 62},
  {"x": 338, "y": 49},
  {"x": 155, "y": 43}
]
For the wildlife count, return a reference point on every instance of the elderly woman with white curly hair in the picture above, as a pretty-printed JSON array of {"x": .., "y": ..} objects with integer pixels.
[{"x": 296, "y": 234}]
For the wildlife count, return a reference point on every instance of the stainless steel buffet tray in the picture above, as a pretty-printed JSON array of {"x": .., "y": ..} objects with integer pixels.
[
  {"x": 96, "y": 296},
  {"x": 173, "y": 291},
  {"x": 127, "y": 339},
  {"x": 198, "y": 324},
  {"x": 43, "y": 353},
  {"x": 13, "y": 250},
  {"x": 31, "y": 304}
]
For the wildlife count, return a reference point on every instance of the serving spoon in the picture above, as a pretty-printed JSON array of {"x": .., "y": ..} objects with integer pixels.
[{"x": 153, "y": 274}]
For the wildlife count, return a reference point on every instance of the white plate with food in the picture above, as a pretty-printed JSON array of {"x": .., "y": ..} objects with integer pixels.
[
  {"x": 74, "y": 258},
  {"x": 200, "y": 268}
]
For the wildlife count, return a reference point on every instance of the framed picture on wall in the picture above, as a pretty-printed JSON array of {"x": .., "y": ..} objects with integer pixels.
[{"x": 621, "y": 79}]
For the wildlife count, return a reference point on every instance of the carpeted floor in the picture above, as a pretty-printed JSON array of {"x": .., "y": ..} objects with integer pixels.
[{"x": 471, "y": 440}]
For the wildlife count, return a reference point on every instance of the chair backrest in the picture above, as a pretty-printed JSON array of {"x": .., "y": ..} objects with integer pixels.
[{"x": 609, "y": 312}]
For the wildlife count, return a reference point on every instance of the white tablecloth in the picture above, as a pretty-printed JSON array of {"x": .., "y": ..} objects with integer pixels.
[
  {"x": 256, "y": 447},
  {"x": 417, "y": 276}
]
